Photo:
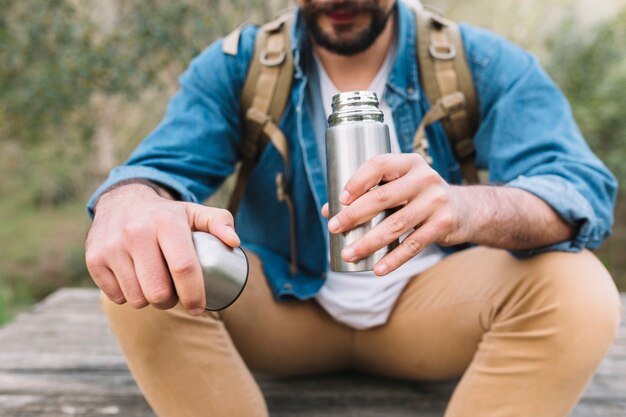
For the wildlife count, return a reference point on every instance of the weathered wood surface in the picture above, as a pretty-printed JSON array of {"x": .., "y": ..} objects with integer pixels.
[{"x": 60, "y": 359}]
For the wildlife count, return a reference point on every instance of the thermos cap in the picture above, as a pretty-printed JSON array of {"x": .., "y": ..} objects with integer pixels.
[
  {"x": 225, "y": 270},
  {"x": 355, "y": 106}
]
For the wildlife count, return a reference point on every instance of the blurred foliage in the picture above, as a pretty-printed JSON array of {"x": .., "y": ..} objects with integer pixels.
[
  {"x": 47, "y": 66},
  {"x": 590, "y": 67},
  {"x": 57, "y": 53},
  {"x": 75, "y": 71}
]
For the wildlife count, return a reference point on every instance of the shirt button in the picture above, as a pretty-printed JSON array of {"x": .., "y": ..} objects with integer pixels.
[
  {"x": 410, "y": 90},
  {"x": 287, "y": 286}
]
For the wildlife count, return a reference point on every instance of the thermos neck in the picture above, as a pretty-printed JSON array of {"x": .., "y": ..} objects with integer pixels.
[{"x": 355, "y": 106}]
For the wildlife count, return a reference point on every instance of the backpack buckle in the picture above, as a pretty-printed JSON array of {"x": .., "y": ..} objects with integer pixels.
[
  {"x": 465, "y": 149},
  {"x": 273, "y": 62},
  {"x": 453, "y": 103},
  {"x": 442, "y": 52}
]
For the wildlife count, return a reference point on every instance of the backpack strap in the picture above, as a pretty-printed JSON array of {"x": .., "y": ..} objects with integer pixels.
[
  {"x": 447, "y": 81},
  {"x": 264, "y": 96},
  {"x": 263, "y": 100}
]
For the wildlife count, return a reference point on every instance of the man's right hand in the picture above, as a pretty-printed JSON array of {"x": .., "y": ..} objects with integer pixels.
[{"x": 139, "y": 248}]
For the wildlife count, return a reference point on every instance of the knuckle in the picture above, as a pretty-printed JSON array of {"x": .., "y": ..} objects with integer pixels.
[
  {"x": 94, "y": 261},
  {"x": 161, "y": 296},
  {"x": 446, "y": 240},
  {"x": 445, "y": 221},
  {"x": 183, "y": 267},
  {"x": 118, "y": 300},
  {"x": 136, "y": 230},
  {"x": 347, "y": 215},
  {"x": 397, "y": 223},
  {"x": 226, "y": 215},
  {"x": 430, "y": 177},
  {"x": 381, "y": 194},
  {"x": 412, "y": 245},
  {"x": 220, "y": 216},
  {"x": 376, "y": 163},
  {"x": 415, "y": 158},
  {"x": 138, "y": 303},
  {"x": 112, "y": 291},
  {"x": 441, "y": 198},
  {"x": 191, "y": 302},
  {"x": 114, "y": 295}
]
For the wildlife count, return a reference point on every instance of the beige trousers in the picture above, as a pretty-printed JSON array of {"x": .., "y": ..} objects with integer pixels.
[{"x": 526, "y": 336}]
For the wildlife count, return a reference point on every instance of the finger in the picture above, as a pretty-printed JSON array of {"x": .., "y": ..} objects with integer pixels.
[
  {"x": 121, "y": 265},
  {"x": 152, "y": 274},
  {"x": 372, "y": 203},
  {"x": 325, "y": 210},
  {"x": 387, "y": 167},
  {"x": 105, "y": 280},
  {"x": 390, "y": 229},
  {"x": 218, "y": 222},
  {"x": 408, "y": 248},
  {"x": 177, "y": 247}
]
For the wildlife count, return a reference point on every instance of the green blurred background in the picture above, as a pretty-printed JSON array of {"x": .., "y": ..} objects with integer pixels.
[{"x": 83, "y": 81}]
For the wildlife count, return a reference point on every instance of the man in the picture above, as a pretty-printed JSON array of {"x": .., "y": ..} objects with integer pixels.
[{"x": 525, "y": 316}]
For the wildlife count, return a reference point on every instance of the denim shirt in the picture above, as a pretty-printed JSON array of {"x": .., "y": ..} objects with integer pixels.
[{"x": 527, "y": 139}]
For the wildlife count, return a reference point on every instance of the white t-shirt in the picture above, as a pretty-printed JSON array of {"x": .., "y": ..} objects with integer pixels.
[{"x": 361, "y": 299}]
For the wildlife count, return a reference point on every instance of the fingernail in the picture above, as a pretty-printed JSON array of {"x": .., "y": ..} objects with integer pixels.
[
  {"x": 348, "y": 253},
  {"x": 381, "y": 269},
  {"x": 333, "y": 224},
  {"x": 344, "y": 197},
  {"x": 196, "y": 311}
]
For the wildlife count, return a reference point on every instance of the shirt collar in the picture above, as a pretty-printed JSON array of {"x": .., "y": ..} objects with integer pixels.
[{"x": 404, "y": 76}]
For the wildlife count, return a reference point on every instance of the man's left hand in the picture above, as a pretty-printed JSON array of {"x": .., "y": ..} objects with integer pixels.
[{"x": 435, "y": 210}]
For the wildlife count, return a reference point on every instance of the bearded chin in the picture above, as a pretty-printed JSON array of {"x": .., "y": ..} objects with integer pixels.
[{"x": 359, "y": 43}]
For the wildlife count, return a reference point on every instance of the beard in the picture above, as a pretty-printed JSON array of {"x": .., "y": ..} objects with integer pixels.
[{"x": 356, "y": 43}]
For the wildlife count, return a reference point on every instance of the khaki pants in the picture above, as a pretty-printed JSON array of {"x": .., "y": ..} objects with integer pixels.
[{"x": 527, "y": 336}]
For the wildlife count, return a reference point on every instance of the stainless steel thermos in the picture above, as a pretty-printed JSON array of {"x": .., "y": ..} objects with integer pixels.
[
  {"x": 225, "y": 270},
  {"x": 356, "y": 132}
]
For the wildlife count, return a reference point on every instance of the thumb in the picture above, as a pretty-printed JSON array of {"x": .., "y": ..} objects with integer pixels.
[{"x": 218, "y": 222}]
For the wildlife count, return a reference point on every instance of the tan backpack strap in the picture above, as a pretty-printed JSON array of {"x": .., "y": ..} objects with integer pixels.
[
  {"x": 447, "y": 81},
  {"x": 444, "y": 108},
  {"x": 264, "y": 97},
  {"x": 263, "y": 100}
]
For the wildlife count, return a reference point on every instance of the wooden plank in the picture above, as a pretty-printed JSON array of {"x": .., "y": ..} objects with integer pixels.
[
  {"x": 353, "y": 395},
  {"x": 72, "y": 405},
  {"x": 61, "y": 359}
]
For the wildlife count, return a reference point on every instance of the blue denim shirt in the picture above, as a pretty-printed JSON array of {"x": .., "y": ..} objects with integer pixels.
[{"x": 527, "y": 139}]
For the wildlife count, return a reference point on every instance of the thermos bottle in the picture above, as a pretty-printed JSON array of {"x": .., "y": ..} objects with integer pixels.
[
  {"x": 225, "y": 270},
  {"x": 356, "y": 132}
]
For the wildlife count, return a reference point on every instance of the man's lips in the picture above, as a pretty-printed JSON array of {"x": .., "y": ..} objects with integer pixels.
[{"x": 341, "y": 16}]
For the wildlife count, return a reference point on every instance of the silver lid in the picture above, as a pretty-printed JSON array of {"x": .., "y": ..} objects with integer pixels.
[
  {"x": 355, "y": 106},
  {"x": 225, "y": 270}
]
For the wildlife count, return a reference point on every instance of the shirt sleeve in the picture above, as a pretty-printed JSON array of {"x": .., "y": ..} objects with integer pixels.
[
  {"x": 196, "y": 145},
  {"x": 528, "y": 139}
]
